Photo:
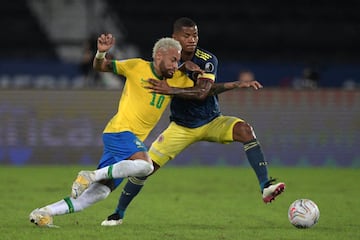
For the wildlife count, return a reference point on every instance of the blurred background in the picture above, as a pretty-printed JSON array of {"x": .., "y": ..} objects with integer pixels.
[{"x": 53, "y": 106}]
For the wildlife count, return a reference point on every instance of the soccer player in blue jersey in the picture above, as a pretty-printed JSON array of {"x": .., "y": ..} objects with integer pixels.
[
  {"x": 195, "y": 116},
  {"x": 139, "y": 110}
]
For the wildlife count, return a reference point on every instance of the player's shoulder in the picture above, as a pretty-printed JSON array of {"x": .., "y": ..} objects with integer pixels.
[
  {"x": 206, "y": 60},
  {"x": 205, "y": 54},
  {"x": 133, "y": 62}
]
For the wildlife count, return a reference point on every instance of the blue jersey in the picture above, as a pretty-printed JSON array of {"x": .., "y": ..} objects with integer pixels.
[{"x": 194, "y": 113}]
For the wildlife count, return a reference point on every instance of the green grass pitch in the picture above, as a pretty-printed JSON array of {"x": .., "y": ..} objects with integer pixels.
[{"x": 187, "y": 203}]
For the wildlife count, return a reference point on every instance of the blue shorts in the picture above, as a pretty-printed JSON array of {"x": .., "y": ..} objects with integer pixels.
[{"x": 118, "y": 147}]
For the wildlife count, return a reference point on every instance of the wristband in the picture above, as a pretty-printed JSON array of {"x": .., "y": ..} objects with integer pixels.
[{"x": 100, "y": 55}]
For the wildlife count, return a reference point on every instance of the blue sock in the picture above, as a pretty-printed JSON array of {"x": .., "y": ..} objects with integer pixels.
[
  {"x": 131, "y": 189},
  {"x": 256, "y": 159}
]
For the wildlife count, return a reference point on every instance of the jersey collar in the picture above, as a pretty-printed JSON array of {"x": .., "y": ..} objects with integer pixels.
[{"x": 154, "y": 72}]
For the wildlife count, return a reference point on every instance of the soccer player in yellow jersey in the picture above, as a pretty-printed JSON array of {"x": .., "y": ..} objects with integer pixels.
[
  {"x": 139, "y": 111},
  {"x": 195, "y": 116}
]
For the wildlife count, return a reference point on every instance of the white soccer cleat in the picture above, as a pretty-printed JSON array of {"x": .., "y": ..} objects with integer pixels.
[
  {"x": 41, "y": 217},
  {"x": 112, "y": 220},
  {"x": 81, "y": 183},
  {"x": 271, "y": 191}
]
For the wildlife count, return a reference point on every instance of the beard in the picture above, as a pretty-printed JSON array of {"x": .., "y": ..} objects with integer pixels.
[{"x": 164, "y": 71}]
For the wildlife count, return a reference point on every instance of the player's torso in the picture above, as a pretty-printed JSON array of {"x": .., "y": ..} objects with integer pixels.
[
  {"x": 139, "y": 110},
  {"x": 195, "y": 113}
]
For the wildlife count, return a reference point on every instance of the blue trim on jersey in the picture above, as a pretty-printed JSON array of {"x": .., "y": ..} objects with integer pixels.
[
  {"x": 196, "y": 113},
  {"x": 118, "y": 147}
]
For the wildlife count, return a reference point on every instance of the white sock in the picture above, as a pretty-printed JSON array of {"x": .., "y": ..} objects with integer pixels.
[
  {"x": 93, "y": 194},
  {"x": 125, "y": 168},
  {"x": 57, "y": 208}
]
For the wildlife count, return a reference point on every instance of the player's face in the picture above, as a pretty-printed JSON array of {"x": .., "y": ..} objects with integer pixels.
[
  {"x": 188, "y": 38},
  {"x": 169, "y": 62}
]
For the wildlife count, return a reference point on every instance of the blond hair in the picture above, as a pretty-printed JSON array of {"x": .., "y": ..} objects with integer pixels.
[{"x": 165, "y": 43}]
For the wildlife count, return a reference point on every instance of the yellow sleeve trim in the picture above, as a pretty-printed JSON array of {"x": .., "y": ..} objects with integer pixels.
[{"x": 207, "y": 76}]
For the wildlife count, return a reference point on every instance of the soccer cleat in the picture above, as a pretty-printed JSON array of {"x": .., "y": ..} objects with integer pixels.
[
  {"x": 81, "y": 183},
  {"x": 41, "y": 217},
  {"x": 271, "y": 191},
  {"x": 112, "y": 220}
]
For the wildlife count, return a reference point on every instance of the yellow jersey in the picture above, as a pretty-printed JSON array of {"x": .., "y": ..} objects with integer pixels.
[{"x": 139, "y": 110}]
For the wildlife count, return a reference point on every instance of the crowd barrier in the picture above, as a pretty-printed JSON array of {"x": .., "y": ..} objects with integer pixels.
[{"x": 295, "y": 128}]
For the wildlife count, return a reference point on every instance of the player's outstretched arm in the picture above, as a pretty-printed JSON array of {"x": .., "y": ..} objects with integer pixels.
[
  {"x": 218, "y": 88},
  {"x": 104, "y": 43}
]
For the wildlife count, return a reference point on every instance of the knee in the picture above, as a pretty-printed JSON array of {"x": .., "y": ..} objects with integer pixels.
[
  {"x": 146, "y": 169},
  {"x": 149, "y": 169},
  {"x": 243, "y": 132}
]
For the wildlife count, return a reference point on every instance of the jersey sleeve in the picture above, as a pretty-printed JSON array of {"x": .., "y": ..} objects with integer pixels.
[
  {"x": 122, "y": 66},
  {"x": 207, "y": 76},
  {"x": 208, "y": 62}
]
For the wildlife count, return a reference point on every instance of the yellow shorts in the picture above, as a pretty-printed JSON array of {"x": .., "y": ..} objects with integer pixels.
[{"x": 176, "y": 138}]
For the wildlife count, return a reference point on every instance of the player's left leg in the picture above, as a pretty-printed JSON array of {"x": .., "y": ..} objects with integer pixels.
[
  {"x": 169, "y": 144},
  {"x": 122, "y": 169},
  {"x": 244, "y": 133},
  {"x": 43, "y": 216},
  {"x": 226, "y": 129},
  {"x": 124, "y": 155}
]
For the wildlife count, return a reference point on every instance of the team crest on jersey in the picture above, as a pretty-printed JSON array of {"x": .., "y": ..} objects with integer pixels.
[
  {"x": 139, "y": 144},
  {"x": 160, "y": 138},
  {"x": 209, "y": 67}
]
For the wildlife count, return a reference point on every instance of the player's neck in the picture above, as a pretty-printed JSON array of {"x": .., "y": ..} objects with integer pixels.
[
  {"x": 187, "y": 56},
  {"x": 156, "y": 71}
]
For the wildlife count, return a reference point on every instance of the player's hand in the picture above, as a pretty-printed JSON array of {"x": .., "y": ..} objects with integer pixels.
[
  {"x": 191, "y": 66},
  {"x": 157, "y": 86},
  {"x": 246, "y": 84},
  {"x": 105, "y": 42}
]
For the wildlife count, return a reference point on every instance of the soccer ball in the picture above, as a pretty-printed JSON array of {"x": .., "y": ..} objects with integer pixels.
[{"x": 303, "y": 213}]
